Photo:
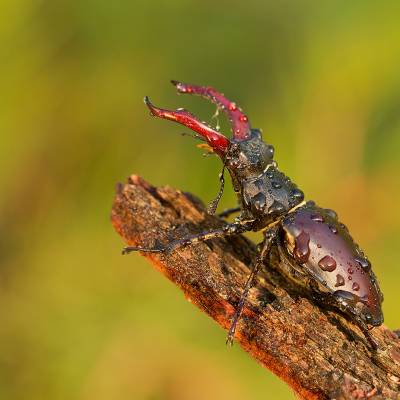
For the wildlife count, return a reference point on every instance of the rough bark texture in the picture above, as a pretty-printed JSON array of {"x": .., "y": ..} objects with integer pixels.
[{"x": 317, "y": 352}]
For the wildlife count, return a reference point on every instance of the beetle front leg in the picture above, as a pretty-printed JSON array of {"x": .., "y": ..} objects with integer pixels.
[
  {"x": 212, "y": 207},
  {"x": 229, "y": 229},
  {"x": 269, "y": 237}
]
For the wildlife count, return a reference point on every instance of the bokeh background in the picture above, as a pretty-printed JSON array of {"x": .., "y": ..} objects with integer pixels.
[{"x": 78, "y": 320}]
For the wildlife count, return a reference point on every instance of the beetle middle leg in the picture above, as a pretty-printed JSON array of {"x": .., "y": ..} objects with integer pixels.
[
  {"x": 269, "y": 237},
  {"x": 234, "y": 228}
]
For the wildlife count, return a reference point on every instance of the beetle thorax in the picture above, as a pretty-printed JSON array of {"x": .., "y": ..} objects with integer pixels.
[
  {"x": 246, "y": 159},
  {"x": 265, "y": 193}
]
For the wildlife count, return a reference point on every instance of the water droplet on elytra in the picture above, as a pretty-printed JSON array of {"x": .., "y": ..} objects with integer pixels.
[
  {"x": 363, "y": 263},
  {"x": 331, "y": 213},
  {"x": 339, "y": 280},
  {"x": 317, "y": 218},
  {"x": 301, "y": 249},
  {"x": 327, "y": 263},
  {"x": 333, "y": 229},
  {"x": 356, "y": 286}
]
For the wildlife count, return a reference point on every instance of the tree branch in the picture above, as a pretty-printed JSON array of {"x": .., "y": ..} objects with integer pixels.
[{"x": 317, "y": 352}]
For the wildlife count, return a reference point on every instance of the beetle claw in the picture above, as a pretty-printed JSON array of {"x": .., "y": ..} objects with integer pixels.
[
  {"x": 240, "y": 124},
  {"x": 215, "y": 139},
  {"x": 130, "y": 249}
]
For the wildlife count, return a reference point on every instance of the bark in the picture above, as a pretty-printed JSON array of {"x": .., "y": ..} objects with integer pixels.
[{"x": 316, "y": 351}]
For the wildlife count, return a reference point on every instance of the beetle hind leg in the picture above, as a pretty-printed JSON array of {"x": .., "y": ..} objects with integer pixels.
[
  {"x": 333, "y": 304},
  {"x": 371, "y": 341},
  {"x": 262, "y": 256}
]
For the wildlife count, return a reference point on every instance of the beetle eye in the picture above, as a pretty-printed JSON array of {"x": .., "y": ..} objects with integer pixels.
[{"x": 368, "y": 317}]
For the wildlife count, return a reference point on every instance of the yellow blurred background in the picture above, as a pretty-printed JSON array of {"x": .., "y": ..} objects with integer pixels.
[{"x": 78, "y": 320}]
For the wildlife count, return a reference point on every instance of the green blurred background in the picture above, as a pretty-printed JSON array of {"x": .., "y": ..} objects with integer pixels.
[{"x": 78, "y": 320}]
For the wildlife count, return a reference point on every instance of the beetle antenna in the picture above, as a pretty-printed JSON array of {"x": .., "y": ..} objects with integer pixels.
[{"x": 240, "y": 124}]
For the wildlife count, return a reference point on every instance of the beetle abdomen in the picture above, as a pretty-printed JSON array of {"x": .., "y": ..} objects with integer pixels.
[{"x": 326, "y": 251}]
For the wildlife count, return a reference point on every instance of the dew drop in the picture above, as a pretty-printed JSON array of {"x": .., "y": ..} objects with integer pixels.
[
  {"x": 327, "y": 263},
  {"x": 317, "y": 218},
  {"x": 232, "y": 107},
  {"x": 363, "y": 263},
  {"x": 333, "y": 229},
  {"x": 297, "y": 194},
  {"x": 346, "y": 297},
  {"x": 356, "y": 286},
  {"x": 301, "y": 248},
  {"x": 339, "y": 280},
  {"x": 259, "y": 201},
  {"x": 276, "y": 207},
  {"x": 350, "y": 271},
  {"x": 276, "y": 185},
  {"x": 349, "y": 277},
  {"x": 331, "y": 213},
  {"x": 243, "y": 118}
]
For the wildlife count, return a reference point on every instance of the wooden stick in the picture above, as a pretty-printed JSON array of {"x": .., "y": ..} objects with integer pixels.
[{"x": 317, "y": 352}]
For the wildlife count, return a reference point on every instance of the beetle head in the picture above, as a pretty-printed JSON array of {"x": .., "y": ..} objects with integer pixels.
[{"x": 249, "y": 157}]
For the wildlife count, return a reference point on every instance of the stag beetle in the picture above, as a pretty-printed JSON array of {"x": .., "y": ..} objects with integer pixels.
[{"x": 320, "y": 253}]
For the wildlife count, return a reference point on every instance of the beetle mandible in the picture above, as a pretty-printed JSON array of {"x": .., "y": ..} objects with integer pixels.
[{"x": 320, "y": 254}]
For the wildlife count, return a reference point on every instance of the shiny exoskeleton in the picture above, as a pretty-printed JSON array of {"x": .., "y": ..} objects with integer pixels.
[{"x": 320, "y": 254}]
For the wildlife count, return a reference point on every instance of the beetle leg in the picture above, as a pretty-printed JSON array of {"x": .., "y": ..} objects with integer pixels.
[
  {"x": 212, "y": 207},
  {"x": 269, "y": 237},
  {"x": 239, "y": 122},
  {"x": 229, "y": 229},
  {"x": 216, "y": 140},
  {"x": 357, "y": 320},
  {"x": 364, "y": 329},
  {"x": 229, "y": 211}
]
